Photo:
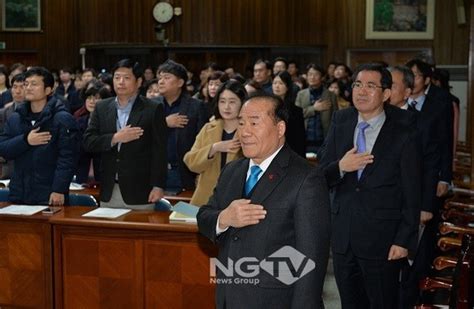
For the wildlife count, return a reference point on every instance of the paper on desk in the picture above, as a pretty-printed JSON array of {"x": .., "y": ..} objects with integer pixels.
[
  {"x": 184, "y": 212},
  {"x": 24, "y": 210},
  {"x": 103, "y": 212}
]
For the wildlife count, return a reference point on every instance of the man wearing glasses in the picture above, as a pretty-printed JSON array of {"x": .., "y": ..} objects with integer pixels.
[{"x": 371, "y": 160}]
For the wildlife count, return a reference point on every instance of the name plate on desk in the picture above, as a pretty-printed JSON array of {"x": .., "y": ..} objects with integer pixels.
[
  {"x": 23, "y": 210},
  {"x": 110, "y": 213}
]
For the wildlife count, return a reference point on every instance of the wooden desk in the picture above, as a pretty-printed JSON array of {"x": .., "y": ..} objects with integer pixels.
[
  {"x": 26, "y": 276},
  {"x": 139, "y": 260}
]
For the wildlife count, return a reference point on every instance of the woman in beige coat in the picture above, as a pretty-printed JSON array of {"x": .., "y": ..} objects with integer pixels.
[{"x": 217, "y": 143}]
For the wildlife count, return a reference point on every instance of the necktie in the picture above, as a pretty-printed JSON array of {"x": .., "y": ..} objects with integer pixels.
[
  {"x": 360, "y": 143},
  {"x": 412, "y": 106},
  {"x": 253, "y": 178}
]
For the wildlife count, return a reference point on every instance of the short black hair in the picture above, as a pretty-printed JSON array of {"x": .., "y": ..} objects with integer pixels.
[
  {"x": 425, "y": 68},
  {"x": 233, "y": 86},
  {"x": 442, "y": 75},
  {"x": 48, "y": 78},
  {"x": 18, "y": 66},
  {"x": 67, "y": 70},
  {"x": 316, "y": 67},
  {"x": 148, "y": 84},
  {"x": 19, "y": 78},
  {"x": 238, "y": 77},
  {"x": 128, "y": 63},
  {"x": 292, "y": 62},
  {"x": 94, "y": 87},
  {"x": 386, "y": 77},
  {"x": 177, "y": 69},
  {"x": 267, "y": 64},
  {"x": 282, "y": 60},
  {"x": 94, "y": 72},
  {"x": 279, "y": 112},
  {"x": 213, "y": 66},
  {"x": 408, "y": 76},
  {"x": 346, "y": 68},
  {"x": 218, "y": 75}
]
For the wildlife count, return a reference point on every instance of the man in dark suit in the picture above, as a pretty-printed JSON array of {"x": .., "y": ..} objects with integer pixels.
[
  {"x": 267, "y": 201},
  {"x": 130, "y": 132},
  {"x": 435, "y": 121},
  {"x": 403, "y": 81},
  {"x": 375, "y": 207},
  {"x": 185, "y": 117},
  {"x": 435, "y": 107}
]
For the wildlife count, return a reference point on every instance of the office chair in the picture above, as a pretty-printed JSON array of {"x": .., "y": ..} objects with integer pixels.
[
  {"x": 163, "y": 205},
  {"x": 4, "y": 192},
  {"x": 82, "y": 200}
]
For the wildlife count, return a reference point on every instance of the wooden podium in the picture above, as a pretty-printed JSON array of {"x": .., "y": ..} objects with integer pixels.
[
  {"x": 139, "y": 260},
  {"x": 26, "y": 277}
]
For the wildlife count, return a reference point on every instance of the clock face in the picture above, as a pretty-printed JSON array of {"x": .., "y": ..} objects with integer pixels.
[{"x": 163, "y": 12}]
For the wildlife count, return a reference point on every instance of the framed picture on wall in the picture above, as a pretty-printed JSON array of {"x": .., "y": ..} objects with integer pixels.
[
  {"x": 399, "y": 19},
  {"x": 21, "y": 15}
]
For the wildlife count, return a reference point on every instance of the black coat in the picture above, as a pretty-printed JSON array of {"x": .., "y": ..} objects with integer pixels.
[
  {"x": 140, "y": 164},
  {"x": 296, "y": 199},
  {"x": 437, "y": 113},
  {"x": 196, "y": 112},
  {"x": 383, "y": 207}
]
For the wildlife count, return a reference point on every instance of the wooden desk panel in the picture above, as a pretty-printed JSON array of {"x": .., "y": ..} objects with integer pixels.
[
  {"x": 25, "y": 262},
  {"x": 136, "y": 261}
]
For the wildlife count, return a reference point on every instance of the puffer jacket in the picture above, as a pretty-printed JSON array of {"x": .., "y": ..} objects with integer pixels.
[{"x": 40, "y": 170}]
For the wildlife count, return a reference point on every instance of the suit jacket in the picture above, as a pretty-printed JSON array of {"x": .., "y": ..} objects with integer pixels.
[
  {"x": 197, "y": 117},
  {"x": 383, "y": 207},
  {"x": 140, "y": 164},
  {"x": 428, "y": 137},
  {"x": 303, "y": 101},
  {"x": 296, "y": 198},
  {"x": 197, "y": 161},
  {"x": 438, "y": 109}
]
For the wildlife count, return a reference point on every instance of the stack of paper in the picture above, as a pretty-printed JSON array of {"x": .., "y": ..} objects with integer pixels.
[
  {"x": 24, "y": 210},
  {"x": 110, "y": 213}
]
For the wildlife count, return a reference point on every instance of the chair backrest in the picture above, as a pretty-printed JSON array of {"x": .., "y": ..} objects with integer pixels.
[
  {"x": 4, "y": 193},
  {"x": 163, "y": 205},
  {"x": 82, "y": 200}
]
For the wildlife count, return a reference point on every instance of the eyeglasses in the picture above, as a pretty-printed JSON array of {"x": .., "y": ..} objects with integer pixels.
[
  {"x": 369, "y": 86},
  {"x": 92, "y": 98}
]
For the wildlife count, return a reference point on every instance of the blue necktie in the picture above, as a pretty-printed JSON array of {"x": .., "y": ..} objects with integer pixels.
[
  {"x": 253, "y": 178},
  {"x": 361, "y": 147}
]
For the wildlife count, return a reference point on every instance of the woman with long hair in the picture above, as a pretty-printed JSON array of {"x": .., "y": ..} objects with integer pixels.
[
  {"x": 217, "y": 142},
  {"x": 295, "y": 132}
]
